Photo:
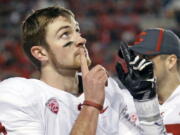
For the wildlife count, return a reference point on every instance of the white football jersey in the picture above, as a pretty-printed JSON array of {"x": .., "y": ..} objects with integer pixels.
[
  {"x": 170, "y": 111},
  {"x": 31, "y": 107}
]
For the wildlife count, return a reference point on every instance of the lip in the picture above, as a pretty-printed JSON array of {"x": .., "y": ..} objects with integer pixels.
[{"x": 78, "y": 51}]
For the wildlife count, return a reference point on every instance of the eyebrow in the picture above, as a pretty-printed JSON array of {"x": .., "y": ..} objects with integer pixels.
[
  {"x": 61, "y": 28},
  {"x": 66, "y": 27}
]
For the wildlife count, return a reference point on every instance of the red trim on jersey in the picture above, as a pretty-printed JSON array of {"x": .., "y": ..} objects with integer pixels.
[
  {"x": 173, "y": 128},
  {"x": 2, "y": 129},
  {"x": 160, "y": 39}
]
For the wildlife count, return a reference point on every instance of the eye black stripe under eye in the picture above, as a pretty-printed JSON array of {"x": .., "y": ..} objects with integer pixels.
[{"x": 67, "y": 44}]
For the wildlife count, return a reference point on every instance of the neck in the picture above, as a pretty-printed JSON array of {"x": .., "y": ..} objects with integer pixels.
[
  {"x": 167, "y": 86},
  {"x": 67, "y": 81}
]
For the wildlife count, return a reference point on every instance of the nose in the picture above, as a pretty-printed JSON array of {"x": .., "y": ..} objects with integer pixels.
[{"x": 80, "y": 41}]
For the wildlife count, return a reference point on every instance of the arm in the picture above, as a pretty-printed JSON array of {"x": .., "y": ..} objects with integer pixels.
[
  {"x": 86, "y": 122},
  {"x": 137, "y": 76},
  {"x": 150, "y": 121},
  {"x": 94, "y": 90}
]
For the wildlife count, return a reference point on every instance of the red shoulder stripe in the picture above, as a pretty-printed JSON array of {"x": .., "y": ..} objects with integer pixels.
[{"x": 173, "y": 128}]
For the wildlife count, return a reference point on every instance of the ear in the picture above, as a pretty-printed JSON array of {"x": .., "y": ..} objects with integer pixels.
[
  {"x": 39, "y": 53},
  {"x": 171, "y": 61}
]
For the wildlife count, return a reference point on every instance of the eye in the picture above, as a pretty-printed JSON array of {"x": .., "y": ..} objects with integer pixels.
[{"x": 65, "y": 35}]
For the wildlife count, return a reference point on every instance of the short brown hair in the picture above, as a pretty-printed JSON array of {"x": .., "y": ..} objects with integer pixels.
[{"x": 34, "y": 29}]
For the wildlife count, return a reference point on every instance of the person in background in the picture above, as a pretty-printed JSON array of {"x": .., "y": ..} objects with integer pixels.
[{"x": 162, "y": 47}]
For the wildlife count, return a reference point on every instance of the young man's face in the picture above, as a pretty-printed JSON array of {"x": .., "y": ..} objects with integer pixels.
[{"x": 64, "y": 40}]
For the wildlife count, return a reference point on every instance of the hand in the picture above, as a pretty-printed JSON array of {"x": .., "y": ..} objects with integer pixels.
[
  {"x": 94, "y": 81},
  {"x": 136, "y": 74}
]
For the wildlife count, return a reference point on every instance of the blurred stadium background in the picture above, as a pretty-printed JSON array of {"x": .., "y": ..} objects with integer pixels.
[{"x": 104, "y": 23}]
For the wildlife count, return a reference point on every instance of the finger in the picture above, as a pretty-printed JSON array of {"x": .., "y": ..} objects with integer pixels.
[
  {"x": 105, "y": 78},
  {"x": 97, "y": 68},
  {"x": 145, "y": 65},
  {"x": 125, "y": 52},
  {"x": 135, "y": 61},
  {"x": 98, "y": 74},
  {"x": 84, "y": 66},
  {"x": 106, "y": 74},
  {"x": 139, "y": 64},
  {"x": 99, "y": 71}
]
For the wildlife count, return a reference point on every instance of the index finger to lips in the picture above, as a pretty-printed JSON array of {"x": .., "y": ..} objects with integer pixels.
[{"x": 84, "y": 66}]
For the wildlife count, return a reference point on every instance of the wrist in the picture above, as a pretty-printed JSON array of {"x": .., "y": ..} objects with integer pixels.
[
  {"x": 153, "y": 113},
  {"x": 87, "y": 103}
]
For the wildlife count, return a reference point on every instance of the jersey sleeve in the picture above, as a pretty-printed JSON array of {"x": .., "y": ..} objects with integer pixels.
[{"x": 17, "y": 113}]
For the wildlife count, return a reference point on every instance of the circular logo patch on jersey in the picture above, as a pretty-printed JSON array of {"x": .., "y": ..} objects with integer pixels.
[{"x": 53, "y": 105}]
